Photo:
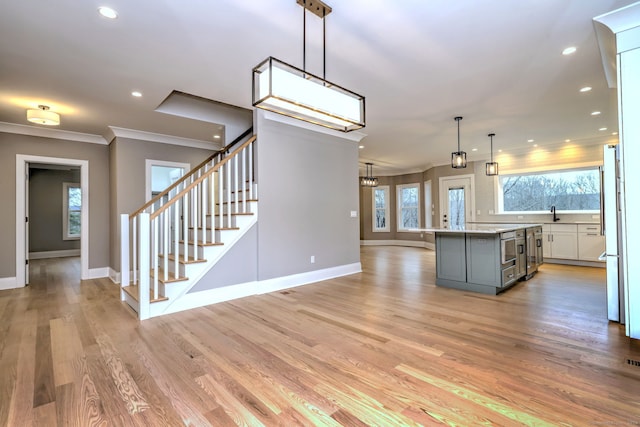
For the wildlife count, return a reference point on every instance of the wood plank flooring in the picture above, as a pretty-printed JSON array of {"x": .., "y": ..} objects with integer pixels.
[{"x": 384, "y": 347}]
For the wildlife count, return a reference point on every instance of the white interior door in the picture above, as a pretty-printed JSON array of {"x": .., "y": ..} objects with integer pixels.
[{"x": 457, "y": 206}]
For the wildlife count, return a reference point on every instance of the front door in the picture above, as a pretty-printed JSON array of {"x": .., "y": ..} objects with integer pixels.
[{"x": 456, "y": 201}]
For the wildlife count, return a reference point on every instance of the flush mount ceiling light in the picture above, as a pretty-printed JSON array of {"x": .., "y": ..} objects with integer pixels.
[
  {"x": 491, "y": 167},
  {"x": 107, "y": 12},
  {"x": 369, "y": 180},
  {"x": 569, "y": 50},
  {"x": 458, "y": 158},
  {"x": 293, "y": 92},
  {"x": 585, "y": 89},
  {"x": 43, "y": 116}
]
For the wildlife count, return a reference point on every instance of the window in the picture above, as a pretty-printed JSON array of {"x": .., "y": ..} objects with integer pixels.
[
  {"x": 567, "y": 190},
  {"x": 380, "y": 196},
  {"x": 408, "y": 199},
  {"x": 72, "y": 207}
]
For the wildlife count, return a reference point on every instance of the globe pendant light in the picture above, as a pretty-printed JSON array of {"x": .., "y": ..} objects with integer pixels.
[
  {"x": 369, "y": 180},
  {"x": 458, "y": 158},
  {"x": 492, "y": 167}
]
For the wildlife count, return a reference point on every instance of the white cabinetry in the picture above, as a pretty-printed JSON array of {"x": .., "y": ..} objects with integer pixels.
[
  {"x": 579, "y": 242},
  {"x": 560, "y": 241},
  {"x": 590, "y": 242}
]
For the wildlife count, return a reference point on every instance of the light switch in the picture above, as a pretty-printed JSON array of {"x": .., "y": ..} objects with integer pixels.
[{"x": 354, "y": 214}]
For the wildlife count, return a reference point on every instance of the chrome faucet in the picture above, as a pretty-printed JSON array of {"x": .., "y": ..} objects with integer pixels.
[{"x": 553, "y": 211}]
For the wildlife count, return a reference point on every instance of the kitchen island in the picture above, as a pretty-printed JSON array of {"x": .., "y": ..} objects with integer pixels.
[{"x": 486, "y": 258}]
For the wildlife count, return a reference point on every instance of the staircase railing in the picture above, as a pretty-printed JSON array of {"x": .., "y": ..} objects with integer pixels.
[
  {"x": 188, "y": 178},
  {"x": 183, "y": 219}
]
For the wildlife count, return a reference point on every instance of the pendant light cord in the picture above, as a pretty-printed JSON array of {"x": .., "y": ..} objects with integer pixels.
[{"x": 304, "y": 37}]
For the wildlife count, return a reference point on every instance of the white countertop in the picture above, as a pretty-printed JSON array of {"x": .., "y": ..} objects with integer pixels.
[{"x": 477, "y": 228}]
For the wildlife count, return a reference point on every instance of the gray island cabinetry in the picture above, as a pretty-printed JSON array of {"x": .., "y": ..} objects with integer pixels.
[{"x": 486, "y": 258}]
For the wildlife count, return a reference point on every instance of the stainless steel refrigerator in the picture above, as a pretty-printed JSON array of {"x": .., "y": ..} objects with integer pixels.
[{"x": 611, "y": 221}]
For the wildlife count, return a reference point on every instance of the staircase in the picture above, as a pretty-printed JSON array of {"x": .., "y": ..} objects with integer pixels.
[{"x": 169, "y": 244}]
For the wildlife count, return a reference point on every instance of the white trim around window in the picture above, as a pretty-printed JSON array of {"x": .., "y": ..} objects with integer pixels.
[
  {"x": 385, "y": 209},
  {"x": 414, "y": 205},
  {"x": 67, "y": 211}
]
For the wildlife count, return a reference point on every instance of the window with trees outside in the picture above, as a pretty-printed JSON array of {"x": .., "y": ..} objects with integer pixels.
[
  {"x": 381, "y": 208},
  {"x": 72, "y": 206},
  {"x": 567, "y": 190},
  {"x": 408, "y": 200}
]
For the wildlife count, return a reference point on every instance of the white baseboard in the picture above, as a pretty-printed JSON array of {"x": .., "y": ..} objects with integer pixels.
[
  {"x": 410, "y": 243},
  {"x": 54, "y": 254},
  {"x": 98, "y": 273},
  {"x": 227, "y": 293},
  {"x": 114, "y": 276},
  {"x": 7, "y": 283},
  {"x": 597, "y": 264},
  {"x": 279, "y": 283}
]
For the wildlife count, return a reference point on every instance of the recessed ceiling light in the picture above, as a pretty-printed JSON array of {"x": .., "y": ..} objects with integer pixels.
[
  {"x": 530, "y": 140},
  {"x": 361, "y": 147},
  {"x": 585, "y": 89},
  {"x": 499, "y": 151},
  {"x": 595, "y": 113},
  {"x": 136, "y": 94},
  {"x": 614, "y": 133},
  {"x": 107, "y": 12},
  {"x": 216, "y": 136},
  {"x": 535, "y": 145},
  {"x": 567, "y": 140},
  {"x": 569, "y": 50},
  {"x": 474, "y": 149},
  {"x": 601, "y": 129}
]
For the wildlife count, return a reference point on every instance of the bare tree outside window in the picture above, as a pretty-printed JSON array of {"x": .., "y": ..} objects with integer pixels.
[
  {"x": 408, "y": 200},
  {"x": 576, "y": 190},
  {"x": 456, "y": 207}
]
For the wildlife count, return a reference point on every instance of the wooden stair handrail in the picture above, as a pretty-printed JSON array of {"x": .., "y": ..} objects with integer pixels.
[
  {"x": 223, "y": 150},
  {"x": 201, "y": 178}
]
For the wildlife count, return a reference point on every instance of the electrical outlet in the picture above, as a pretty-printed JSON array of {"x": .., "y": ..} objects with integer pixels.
[
  {"x": 490, "y": 211},
  {"x": 520, "y": 217},
  {"x": 422, "y": 235},
  {"x": 313, "y": 259}
]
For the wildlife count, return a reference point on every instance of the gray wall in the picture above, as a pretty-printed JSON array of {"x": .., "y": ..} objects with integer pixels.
[
  {"x": 484, "y": 190},
  {"x": 307, "y": 186},
  {"x": 128, "y": 177},
  {"x": 239, "y": 265},
  {"x": 46, "y": 209},
  {"x": 98, "y": 158}
]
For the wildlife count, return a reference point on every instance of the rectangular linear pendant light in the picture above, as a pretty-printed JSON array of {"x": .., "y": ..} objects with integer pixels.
[
  {"x": 294, "y": 92},
  {"x": 285, "y": 89}
]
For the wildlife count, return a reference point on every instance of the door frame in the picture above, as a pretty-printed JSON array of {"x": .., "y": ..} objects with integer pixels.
[
  {"x": 442, "y": 195},
  {"x": 22, "y": 168}
]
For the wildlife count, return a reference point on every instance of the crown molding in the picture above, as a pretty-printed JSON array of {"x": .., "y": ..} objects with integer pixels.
[
  {"x": 52, "y": 133},
  {"x": 274, "y": 117},
  {"x": 163, "y": 139}
]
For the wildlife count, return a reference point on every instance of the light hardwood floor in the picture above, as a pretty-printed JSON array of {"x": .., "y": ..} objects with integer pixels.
[{"x": 384, "y": 347}]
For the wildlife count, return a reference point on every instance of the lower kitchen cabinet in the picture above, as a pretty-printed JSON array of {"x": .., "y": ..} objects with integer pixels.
[
  {"x": 590, "y": 243},
  {"x": 579, "y": 242},
  {"x": 560, "y": 241}
]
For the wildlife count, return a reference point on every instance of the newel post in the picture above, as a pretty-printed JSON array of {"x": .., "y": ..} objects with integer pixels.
[
  {"x": 124, "y": 253},
  {"x": 144, "y": 246}
]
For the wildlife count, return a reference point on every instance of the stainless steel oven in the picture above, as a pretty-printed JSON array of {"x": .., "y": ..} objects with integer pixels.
[{"x": 508, "y": 250}]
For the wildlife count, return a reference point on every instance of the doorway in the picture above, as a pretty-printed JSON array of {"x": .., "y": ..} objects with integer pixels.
[
  {"x": 22, "y": 210},
  {"x": 457, "y": 202},
  {"x": 161, "y": 174}
]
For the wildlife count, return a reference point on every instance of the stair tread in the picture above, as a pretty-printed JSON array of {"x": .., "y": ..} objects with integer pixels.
[
  {"x": 248, "y": 200},
  {"x": 190, "y": 242},
  {"x": 217, "y": 228},
  {"x": 170, "y": 279},
  {"x": 133, "y": 291},
  {"x": 235, "y": 214},
  {"x": 190, "y": 259}
]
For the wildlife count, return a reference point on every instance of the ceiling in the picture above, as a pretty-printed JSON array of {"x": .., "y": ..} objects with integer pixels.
[{"x": 497, "y": 63}]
